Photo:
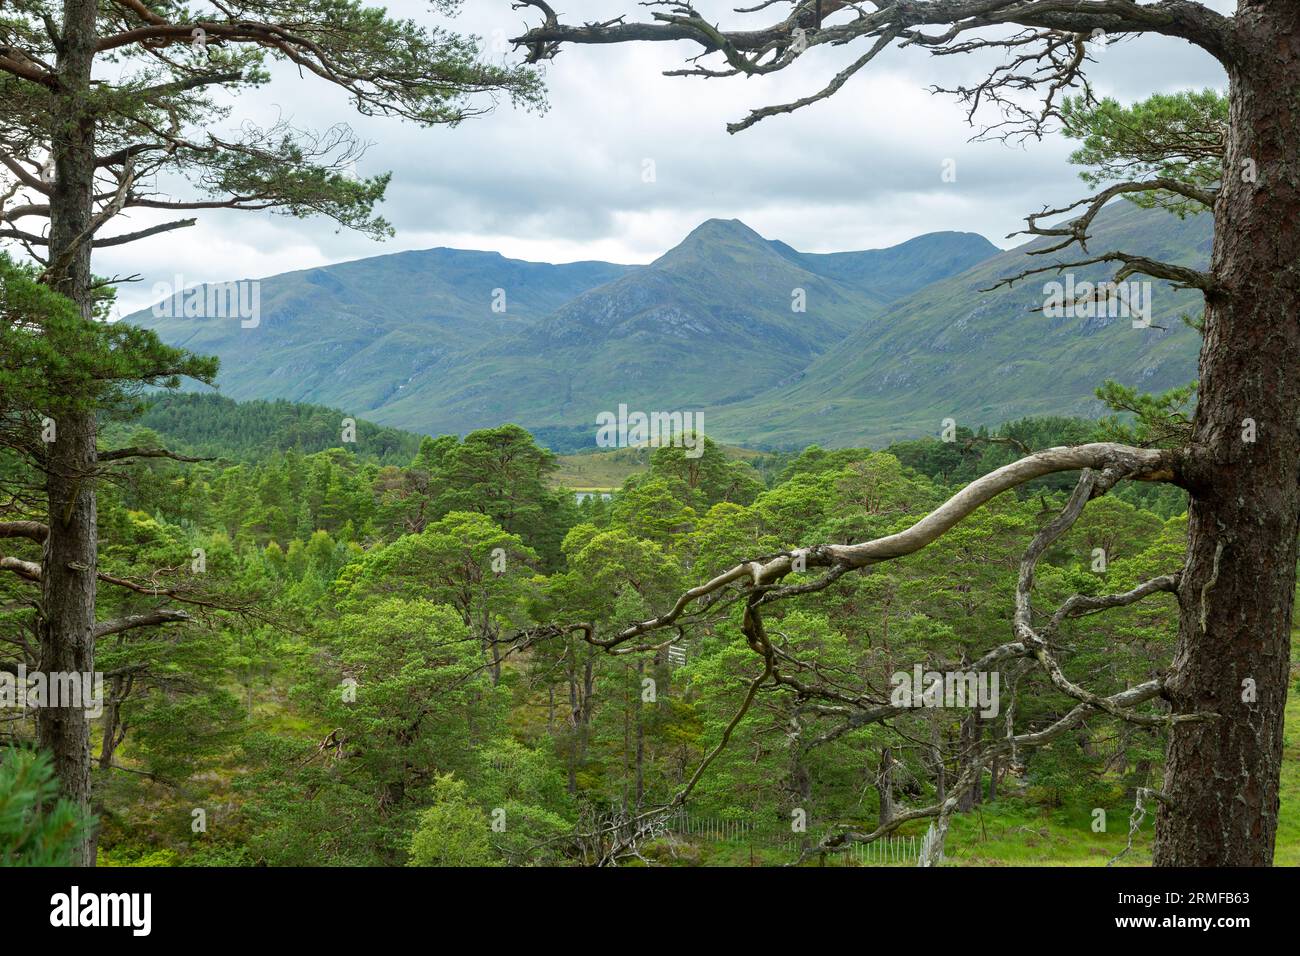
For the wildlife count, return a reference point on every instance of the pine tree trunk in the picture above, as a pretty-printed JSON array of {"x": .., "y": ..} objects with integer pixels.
[
  {"x": 68, "y": 599},
  {"x": 1237, "y": 588},
  {"x": 68, "y": 576}
]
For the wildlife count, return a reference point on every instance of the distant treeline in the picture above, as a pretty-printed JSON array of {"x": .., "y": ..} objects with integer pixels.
[
  {"x": 216, "y": 426},
  {"x": 212, "y": 425}
]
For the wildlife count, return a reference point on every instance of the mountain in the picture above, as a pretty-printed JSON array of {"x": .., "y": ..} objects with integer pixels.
[
  {"x": 410, "y": 340},
  {"x": 952, "y": 349},
  {"x": 712, "y": 320},
  {"x": 902, "y": 269},
  {"x": 351, "y": 335}
]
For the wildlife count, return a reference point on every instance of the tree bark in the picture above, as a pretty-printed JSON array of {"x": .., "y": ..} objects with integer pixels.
[
  {"x": 936, "y": 758},
  {"x": 113, "y": 731},
  {"x": 801, "y": 785},
  {"x": 68, "y": 578},
  {"x": 582, "y": 703},
  {"x": 885, "y": 786},
  {"x": 1236, "y": 591},
  {"x": 967, "y": 740},
  {"x": 640, "y": 737}
]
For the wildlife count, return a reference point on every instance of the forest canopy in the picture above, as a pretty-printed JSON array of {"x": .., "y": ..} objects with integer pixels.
[{"x": 361, "y": 687}]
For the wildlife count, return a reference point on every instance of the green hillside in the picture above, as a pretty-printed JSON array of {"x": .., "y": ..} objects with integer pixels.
[
  {"x": 411, "y": 340},
  {"x": 902, "y": 269},
  {"x": 952, "y": 350},
  {"x": 891, "y": 341},
  {"x": 352, "y": 335},
  {"x": 709, "y": 321}
]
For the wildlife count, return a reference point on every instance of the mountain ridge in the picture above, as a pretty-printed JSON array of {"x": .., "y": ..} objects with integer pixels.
[
  {"x": 958, "y": 349},
  {"x": 410, "y": 339},
  {"x": 890, "y": 342}
]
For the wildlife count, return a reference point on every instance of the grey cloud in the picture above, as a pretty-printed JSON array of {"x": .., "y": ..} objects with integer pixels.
[{"x": 858, "y": 171}]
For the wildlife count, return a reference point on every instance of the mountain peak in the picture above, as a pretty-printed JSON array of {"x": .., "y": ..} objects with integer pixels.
[
  {"x": 724, "y": 229},
  {"x": 717, "y": 239}
]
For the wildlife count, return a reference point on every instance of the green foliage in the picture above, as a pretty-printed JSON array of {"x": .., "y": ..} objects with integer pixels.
[
  {"x": 54, "y": 363},
  {"x": 152, "y": 114},
  {"x": 502, "y": 473},
  {"x": 709, "y": 476},
  {"x": 37, "y": 827},
  {"x": 401, "y": 687},
  {"x": 1179, "y": 136},
  {"x": 452, "y": 832},
  {"x": 215, "y": 426},
  {"x": 447, "y": 733},
  {"x": 1145, "y": 420},
  {"x": 1158, "y": 421}
]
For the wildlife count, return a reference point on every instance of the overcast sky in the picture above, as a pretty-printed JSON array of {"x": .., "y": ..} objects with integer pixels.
[{"x": 859, "y": 171}]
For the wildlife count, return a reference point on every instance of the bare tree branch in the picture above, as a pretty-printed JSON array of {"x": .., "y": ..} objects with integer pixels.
[
  {"x": 149, "y": 619},
  {"x": 27, "y": 570},
  {"x": 117, "y": 454},
  {"x": 34, "y": 530}
]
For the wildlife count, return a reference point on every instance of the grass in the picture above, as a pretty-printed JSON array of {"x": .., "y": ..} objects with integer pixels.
[
  {"x": 607, "y": 470},
  {"x": 1286, "y": 851},
  {"x": 1015, "y": 833},
  {"x": 1018, "y": 831},
  {"x": 601, "y": 470}
]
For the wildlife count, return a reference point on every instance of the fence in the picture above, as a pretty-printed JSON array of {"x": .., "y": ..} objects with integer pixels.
[{"x": 885, "y": 851}]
